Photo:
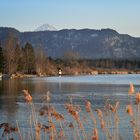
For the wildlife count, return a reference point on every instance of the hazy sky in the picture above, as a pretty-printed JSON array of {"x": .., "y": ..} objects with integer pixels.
[{"x": 27, "y": 15}]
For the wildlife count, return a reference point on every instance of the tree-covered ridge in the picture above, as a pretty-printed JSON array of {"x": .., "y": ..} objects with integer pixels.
[{"x": 88, "y": 43}]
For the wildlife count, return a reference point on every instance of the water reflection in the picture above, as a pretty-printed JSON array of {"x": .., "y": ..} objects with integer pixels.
[{"x": 8, "y": 95}]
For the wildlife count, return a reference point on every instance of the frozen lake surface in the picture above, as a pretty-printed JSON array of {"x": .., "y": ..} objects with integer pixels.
[{"x": 76, "y": 89}]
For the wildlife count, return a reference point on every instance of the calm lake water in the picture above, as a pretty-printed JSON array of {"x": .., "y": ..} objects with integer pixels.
[{"x": 77, "y": 89}]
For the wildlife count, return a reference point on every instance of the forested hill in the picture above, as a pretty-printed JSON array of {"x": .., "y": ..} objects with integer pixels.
[{"x": 89, "y": 43}]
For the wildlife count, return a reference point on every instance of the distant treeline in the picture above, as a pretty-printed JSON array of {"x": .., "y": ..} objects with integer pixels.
[
  {"x": 33, "y": 60},
  {"x": 114, "y": 63}
]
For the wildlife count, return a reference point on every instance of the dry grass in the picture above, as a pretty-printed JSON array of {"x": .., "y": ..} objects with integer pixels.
[{"x": 105, "y": 121}]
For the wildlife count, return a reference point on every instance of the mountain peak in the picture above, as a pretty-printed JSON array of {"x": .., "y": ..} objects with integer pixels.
[{"x": 46, "y": 27}]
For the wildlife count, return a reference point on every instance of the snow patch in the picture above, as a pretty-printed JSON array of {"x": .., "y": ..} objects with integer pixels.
[
  {"x": 46, "y": 27},
  {"x": 94, "y": 35}
]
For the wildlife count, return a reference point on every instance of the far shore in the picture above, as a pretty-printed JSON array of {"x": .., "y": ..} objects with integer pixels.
[{"x": 94, "y": 72}]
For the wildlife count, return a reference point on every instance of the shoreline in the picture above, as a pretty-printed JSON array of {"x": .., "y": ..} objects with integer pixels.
[{"x": 94, "y": 72}]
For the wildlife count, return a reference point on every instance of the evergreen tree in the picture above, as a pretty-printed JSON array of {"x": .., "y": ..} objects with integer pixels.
[
  {"x": 29, "y": 56},
  {"x": 19, "y": 58}
]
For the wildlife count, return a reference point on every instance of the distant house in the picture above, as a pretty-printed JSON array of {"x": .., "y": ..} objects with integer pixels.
[
  {"x": 0, "y": 76},
  {"x": 59, "y": 71}
]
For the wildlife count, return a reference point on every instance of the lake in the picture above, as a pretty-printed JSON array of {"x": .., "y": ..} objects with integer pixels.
[{"x": 76, "y": 89}]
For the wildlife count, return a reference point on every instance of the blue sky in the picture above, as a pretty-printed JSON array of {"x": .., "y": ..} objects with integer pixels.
[{"x": 27, "y": 15}]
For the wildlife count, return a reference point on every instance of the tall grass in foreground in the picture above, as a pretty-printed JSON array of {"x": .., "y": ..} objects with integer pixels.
[{"x": 104, "y": 122}]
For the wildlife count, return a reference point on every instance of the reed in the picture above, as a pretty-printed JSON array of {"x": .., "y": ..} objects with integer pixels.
[{"x": 104, "y": 122}]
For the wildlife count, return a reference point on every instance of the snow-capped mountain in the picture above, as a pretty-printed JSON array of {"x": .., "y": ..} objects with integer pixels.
[{"x": 46, "y": 27}]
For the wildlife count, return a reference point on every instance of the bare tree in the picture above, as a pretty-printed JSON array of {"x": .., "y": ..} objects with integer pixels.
[
  {"x": 1, "y": 59},
  {"x": 40, "y": 60},
  {"x": 71, "y": 58},
  {"x": 10, "y": 54}
]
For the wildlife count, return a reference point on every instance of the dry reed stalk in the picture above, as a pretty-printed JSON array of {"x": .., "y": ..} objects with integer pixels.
[
  {"x": 107, "y": 114},
  {"x": 52, "y": 127},
  {"x": 49, "y": 129},
  {"x": 101, "y": 120},
  {"x": 37, "y": 131},
  {"x": 95, "y": 134},
  {"x": 129, "y": 110},
  {"x": 88, "y": 106},
  {"x": 7, "y": 130},
  {"x": 27, "y": 96},
  {"x": 135, "y": 121},
  {"x": 137, "y": 98},
  {"x": 134, "y": 114},
  {"x": 19, "y": 133},
  {"x": 29, "y": 100},
  {"x": 72, "y": 110},
  {"x": 70, "y": 125},
  {"x": 116, "y": 120},
  {"x": 62, "y": 132},
  {"x": 116, "y": 131},
  {"x": 47, "y": 97},
  {"x": 116, "y": 106},
  {"x": 31, "y": 128},
  {"x": 84, "y": 118},
  {"x": 131, "y": 89},
  {"x": 80, "y": 124},
  {"x": 137, "y": 117},
  {"x": 99, "y": 113},
  {"x": 50, "y": 111},
  {"x": 34, "y": 114},
  {"x": 33, "y": 119},
  {"x": 112, "y": 119},
  {"x": 59, "y": 117},
  {"x": 102, "y": 123},
  {"x": 90, "y": 112}
]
